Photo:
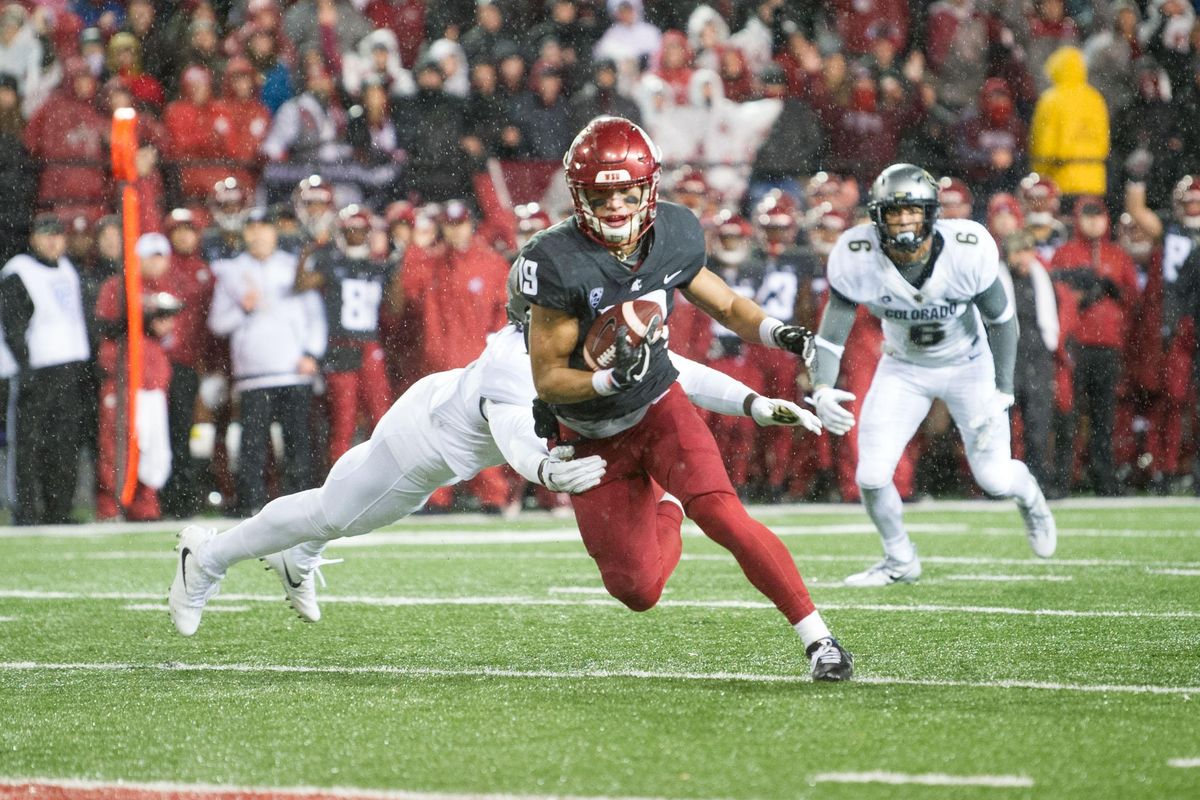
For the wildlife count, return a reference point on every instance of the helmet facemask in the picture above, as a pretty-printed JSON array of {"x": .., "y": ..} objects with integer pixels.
[{"x": 602, "y": 226}]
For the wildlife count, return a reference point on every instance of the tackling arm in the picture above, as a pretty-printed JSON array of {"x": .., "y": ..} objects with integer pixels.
[
  {"x": 1001, "y": 320},
  {"x": 513, "y": 431},
  {"x": 715, "y": 391}
]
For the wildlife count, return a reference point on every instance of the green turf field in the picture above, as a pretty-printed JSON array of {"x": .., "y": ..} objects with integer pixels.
[{"x": 469, "y": 656}]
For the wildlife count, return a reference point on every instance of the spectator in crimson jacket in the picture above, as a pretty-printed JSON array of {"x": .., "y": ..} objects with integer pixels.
[
  {"x": 154, "y": 252},
  {"x": 69, "y": 138},
  {"x": 242, "y": 121},
  {"x": 1104, "y": 284},
  {"x": 992, "y": 141},
  {"x": 861, "y": 22},
  {"x": 190, "y": 348},
  {"x": 194, "y": 145},
  {"x": 406, "y": 19}
]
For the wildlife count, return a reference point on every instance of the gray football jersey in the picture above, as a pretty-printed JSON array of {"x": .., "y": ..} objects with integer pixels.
[{"x": 562, "y": 269}]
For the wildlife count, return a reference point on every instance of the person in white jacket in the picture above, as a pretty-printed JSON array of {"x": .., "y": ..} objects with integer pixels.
[
  {"x": 445, "y": 429},
  {"x": 276, "y": 338}
]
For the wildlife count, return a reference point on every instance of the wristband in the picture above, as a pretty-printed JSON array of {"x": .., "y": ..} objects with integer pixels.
[
  {"x": 766, "y": 331},
  {"x": 748, "y": 404},
  {"x": 602, "y": 382}
]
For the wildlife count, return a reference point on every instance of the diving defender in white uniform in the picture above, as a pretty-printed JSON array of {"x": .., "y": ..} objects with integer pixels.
[
  {"x": 950, "y": 333},
  {"x": 446, "y": 428}
]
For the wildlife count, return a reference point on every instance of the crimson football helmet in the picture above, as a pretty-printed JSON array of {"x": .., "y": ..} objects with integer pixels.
[
  {"x": 313, "y": 201},
  {"x": 955, "y": 197},
  {"x": 1186, "y": 201},
  {"x": 1040, "y": 198},
  {"x": 531, "y": 218},
  {"x": 777, "y": 216},
  {"x": 353, "y": 229},
  {"x": 613, "y": 153},
  {"x": 824, "y": 233},
  {"x": 227, "y": 204},
  {"x": 731, "y": 244}
]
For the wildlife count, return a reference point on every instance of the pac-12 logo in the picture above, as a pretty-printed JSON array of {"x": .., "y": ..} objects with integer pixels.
[{"x": 594, "y": 297}]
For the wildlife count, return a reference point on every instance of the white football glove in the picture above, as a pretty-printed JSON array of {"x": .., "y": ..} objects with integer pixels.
[
  {"x": 827, "y": 401},
  {"x": 988, "y": 423},
  {"x": 768, "y": 411},
  {"x": 561, "y": 473}
]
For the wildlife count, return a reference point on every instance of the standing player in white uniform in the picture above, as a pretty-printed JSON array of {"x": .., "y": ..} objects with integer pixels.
[
  {"x": 950, "y": 333},
  {"x": 446, "y": 428}
]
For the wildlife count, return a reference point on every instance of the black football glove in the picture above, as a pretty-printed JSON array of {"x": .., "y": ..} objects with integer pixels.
[
  {"x": 632, "y": 363},
  {"x": 797, "y": 339}
]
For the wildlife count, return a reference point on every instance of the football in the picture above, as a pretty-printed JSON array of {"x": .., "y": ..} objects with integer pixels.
[{"x": 638, "y": 316}]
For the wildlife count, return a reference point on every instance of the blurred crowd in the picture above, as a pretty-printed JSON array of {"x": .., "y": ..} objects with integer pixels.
[{"x": 331, "y": 191}]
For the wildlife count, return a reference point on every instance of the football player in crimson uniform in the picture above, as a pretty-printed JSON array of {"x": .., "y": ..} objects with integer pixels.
[
  {"x": 352, "y": 285},
  {"x": 780, "y": 268},
  {"x": 1176, "y": 235},
  {"x": 445, "y": 429},
  {"x": 227, "y": 208},
  {"x": 622, "y": 244},
  {"x": 949, "y": 333}
]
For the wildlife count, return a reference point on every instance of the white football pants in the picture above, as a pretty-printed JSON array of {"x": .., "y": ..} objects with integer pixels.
[
  {"x": 899, "y": 399},
  {"x": 373, "y": 484}
]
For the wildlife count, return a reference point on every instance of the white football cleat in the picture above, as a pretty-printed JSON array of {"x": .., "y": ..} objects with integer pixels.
[
  {"x": 299, "y": 583},
  {"x": 887, "y": 572},
  {"x": 1040, "y": 526},
  {"x": 192, "y": 587}
]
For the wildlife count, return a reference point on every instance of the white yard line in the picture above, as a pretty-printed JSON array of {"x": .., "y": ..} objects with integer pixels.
[
  {"x": 1184, "y": 573},
  {"x": 927, "y": 779},
  {"x": 1005, "y": 578},
  {"x": 8, "y": 619},
  {"x": 521, "y": 600},
  {"x": 588, "y": 674},
  {"x": 1184, "y": 763},
  {"x": 126, "y": 789}
]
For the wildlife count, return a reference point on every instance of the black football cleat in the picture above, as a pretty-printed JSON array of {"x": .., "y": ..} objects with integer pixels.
[{"x": 830, "y": 661}]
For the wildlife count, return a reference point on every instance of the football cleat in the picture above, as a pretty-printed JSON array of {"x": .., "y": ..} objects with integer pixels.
[
  {"x": 1040, "y": 526},
  {"x": 830, "y": 661},
  {"x": 192, "y": 587},
  {"x": 887, "y": 572},
  {"x": 299, "y": 583}
]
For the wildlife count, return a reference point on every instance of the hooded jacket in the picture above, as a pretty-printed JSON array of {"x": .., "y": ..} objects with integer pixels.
[{"x": 1069, "y": 137}]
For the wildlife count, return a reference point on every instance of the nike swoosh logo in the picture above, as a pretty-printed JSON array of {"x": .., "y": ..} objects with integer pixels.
[
  {"x": 671, "y": 276},
  {"x": 288, "y": 575},
  {"x": 183, "y": 554}
]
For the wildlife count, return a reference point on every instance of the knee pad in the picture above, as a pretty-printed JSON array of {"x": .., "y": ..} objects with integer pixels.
[
  {"x": 995, "y": 478},
  {"x": 868, "y": 476}
]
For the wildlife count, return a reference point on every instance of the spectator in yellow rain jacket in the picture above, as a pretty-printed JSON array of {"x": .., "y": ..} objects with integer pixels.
[{"x": 1069, "y": 138}]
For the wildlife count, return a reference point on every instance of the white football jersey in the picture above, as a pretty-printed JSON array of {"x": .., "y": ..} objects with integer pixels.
[{"x": 937, "y": 324}]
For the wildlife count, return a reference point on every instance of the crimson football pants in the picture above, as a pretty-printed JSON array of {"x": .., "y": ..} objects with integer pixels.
[
  {"x": 366, "y": 387},
  {"x": 619, "y": 519}
]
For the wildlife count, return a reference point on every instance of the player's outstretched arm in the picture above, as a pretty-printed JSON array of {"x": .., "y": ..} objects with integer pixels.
[
  {"x": 715, "y": 391},
  {"x": 1001, "y": 320},
  {"x": 830, "y": 343},
  {"x": 745, "y": 318},
  {"x": 513, "y": 430}
]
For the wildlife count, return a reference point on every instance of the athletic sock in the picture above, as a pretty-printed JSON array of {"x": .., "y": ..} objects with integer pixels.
[
  {"x": 887, "y": 512},
  {"x": 812, "y": 628},
  {"x": 669, "y": 520}
]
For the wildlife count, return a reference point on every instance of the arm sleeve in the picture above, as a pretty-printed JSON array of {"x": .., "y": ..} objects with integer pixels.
[
  {"x": 832, "y": 334},
  {"x": 16, "y": 310},
  {"x": 711, "y": 389},
  {"x": 1002, "y": 332},
  {"x": 512, "y": 429}
]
